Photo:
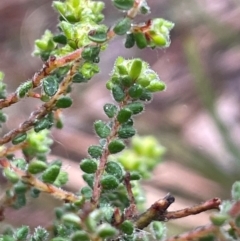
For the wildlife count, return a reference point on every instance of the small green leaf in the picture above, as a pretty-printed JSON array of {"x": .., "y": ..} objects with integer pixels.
[
  {"x": 89, "y": 179},
  {"x": 144, "y": 9},
  {"x": 135, "y": 107},
  {"x": 136, "y": 69},
  {"x": 3, "y": 117},
  {"x": 135, "y": 91},
  {"x": 64, "y": 102},
  {"x": 110, "y": 110},
  {"x": 141, "y": 40},
  {"x": 20, "y": 201},
  {"x": 118, "y": 93},
  {"x": 10, "y": 175},
  {"x": 42, "y": 124},
  {"x": 20, "y": 188},
  {"x": 62, "y": 179},
  {"x": 88, "y": 165},
  {"x": 122, "y": 26},
  {"x": 134, "y": 175},
  {"x": 130, "y": 41},
  {"x": 158, "y": 230},
  {"x": 71, "y": 219},
  {"x": 79, "y": 78},
  {"x": 114, "y": 169},
  {"x": 116, "y": 146},
  {"x": 51, "y": 174},
  {"x": 24, "y": 88},
  {"x": 98, "y": 36},
  {"x": 50, "y": 85},
  {"x": 35, "y": 192},
  {"x": 37, "y": 166},
  {"x": 126, "y": 80},
  {"x": 19, "y": 138},
  {"x": 129, "y": 122},
  {"x": 22, "y": 233},
  {"x": 143, "y": 81},
  {"x": 127, "y": 227},
  {"x": 123, "y": 4},
  {"x": 122, "y": 69},
  {"x": 59, "y": 6},
  {"x": 146, "y": 95},
  {"x": 80, "y": 235},
  {"x": 59, "y": 123},
  {"x": 86, "y": 192},
  {"x": 60, "y": 39},
  {"x": 126, "y": 132},
  {"x": 158, "y": 39},
  {"x": 109, "y": 182},
  {"x": 124, "y": 115},
  {"x": 102, "y": 129},
  {"x": 79, "y": 202},
  {"x": 106, "y": 231},
  {"x": 90, "y": 52},
  {"x": 218, "y": 219},
  {"x": 95, "y": 151},
  {"x": 156, "y": 85}
]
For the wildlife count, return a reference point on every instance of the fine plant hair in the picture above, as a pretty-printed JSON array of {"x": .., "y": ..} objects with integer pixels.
[{"x": 110, "y": 206}]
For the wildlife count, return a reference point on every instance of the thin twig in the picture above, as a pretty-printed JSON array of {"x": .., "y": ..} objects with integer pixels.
[
  {"x": 195, "y": 234},
  {"x": 42, "y": 110},
  {"x": 208, "y": 205},
  {"x": 155, "y": 212},
  {"x": 12, "y": 149},
  {"x": 131, "y": 211},
  {"x": 49, "y": 66},
  {"x": 158, "y": 211},
  {"x": 41, "y": 186}
]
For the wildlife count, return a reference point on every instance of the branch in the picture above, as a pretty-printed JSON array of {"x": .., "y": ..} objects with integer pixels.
[
  {"x": 208, "y": 205},
  {"x": 41, "y": 186},
  {"x": 42, "y": 110},
  {"x": 9, "y": 150},
  {"x": 157, "y": 210},
  {"x": 131, "y": 211},
  {"x": 195, "y": 234},
  {"x": 52, "y": 64}
]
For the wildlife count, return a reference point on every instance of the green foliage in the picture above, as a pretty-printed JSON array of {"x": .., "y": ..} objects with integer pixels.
[
  {"x": 107, "y": 208},
  {"x": 88, "y": 165},
  {"x": 64, "y": 102},
  {"x": 37, "y": 166}
]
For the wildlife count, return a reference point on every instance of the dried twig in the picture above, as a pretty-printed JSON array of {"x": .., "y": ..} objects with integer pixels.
[
  {"x": 208, "y": 205},
  {"x": 195, "y": 234},
  {"x": 155, "y": 212},
  {"x": 158, "y": 211}
]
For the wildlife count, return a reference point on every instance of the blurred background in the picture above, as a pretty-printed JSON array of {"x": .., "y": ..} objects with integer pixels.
[{"x": 197, "y": 119}]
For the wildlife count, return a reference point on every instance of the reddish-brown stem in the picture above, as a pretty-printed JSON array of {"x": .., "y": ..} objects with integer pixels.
[
  {"x": 103, "y": 160},
  {"x": 52, "y": 64},
  {"x": 208, "y": 205},
  {"x": 42, "y": 110},
  {"x": 195, "y": 234},
  {"x": 131, "y": 211},
  {"x": 102, "y": 163},
  {"x": 158, "y": 211}
]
